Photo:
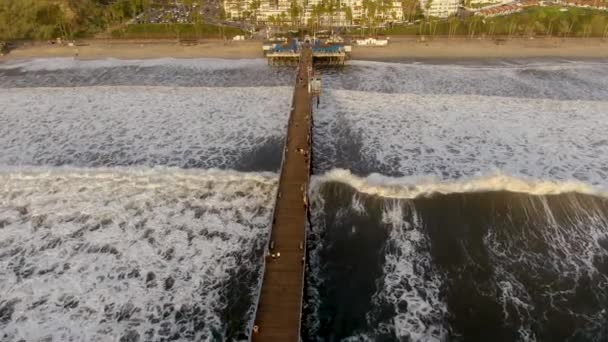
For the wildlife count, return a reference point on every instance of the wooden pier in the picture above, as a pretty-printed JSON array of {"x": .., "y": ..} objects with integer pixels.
[
  {"x": 293, "y": 58},
  {"x": 279, "y": 308}
]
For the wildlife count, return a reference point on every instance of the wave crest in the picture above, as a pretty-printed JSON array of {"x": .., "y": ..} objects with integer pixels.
[{"x": 413, "y": 187}]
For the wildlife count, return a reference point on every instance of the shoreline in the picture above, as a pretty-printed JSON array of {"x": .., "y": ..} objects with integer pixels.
[
  {"x": 399, "y": 49},
  {"x": 444, "y": 49}
]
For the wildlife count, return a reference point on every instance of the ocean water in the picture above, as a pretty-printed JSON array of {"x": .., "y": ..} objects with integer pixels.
[{"x": 449, "y": 202}]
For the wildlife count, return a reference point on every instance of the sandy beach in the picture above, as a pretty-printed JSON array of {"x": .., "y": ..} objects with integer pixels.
[
  {"x": 400, "y": 48},
  {"x": 460, "y": 48},
  {"x": 121, "y": 49}
]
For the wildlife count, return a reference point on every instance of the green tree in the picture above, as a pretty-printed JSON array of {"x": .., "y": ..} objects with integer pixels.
[
  {"x": 348, "y": 13},
  {"x": 409, "y": 8},
  {"x": 294, "y": 13},
  {"x": 254, "y": 6},
  {"x": 452, "y": 26}
]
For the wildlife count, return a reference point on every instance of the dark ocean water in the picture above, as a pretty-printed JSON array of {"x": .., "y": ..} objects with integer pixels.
[
  {"x": 499, "y": 266},
  {"x": 451, "y": 202}
]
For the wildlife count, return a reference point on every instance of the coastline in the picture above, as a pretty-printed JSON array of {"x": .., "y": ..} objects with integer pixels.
[
  {"x": 399, "y": 49},
  {"x": 139, "y": 49},
  {"x": 483, "y": 49}
]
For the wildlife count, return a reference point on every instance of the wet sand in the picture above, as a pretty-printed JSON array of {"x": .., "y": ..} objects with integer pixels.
[{"x": 399, "y": 48}]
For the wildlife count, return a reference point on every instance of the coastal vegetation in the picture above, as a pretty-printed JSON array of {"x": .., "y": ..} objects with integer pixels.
[
  {"x": 49, "y": 19},
  {"x": 180, "y": 31},
  {"x": 538, "y": 21},
  {"x": 72, "y": 19}
]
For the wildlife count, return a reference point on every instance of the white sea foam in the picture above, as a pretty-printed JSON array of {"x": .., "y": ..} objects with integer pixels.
[
  {"x": 96, "y": 254},
  {"x": 574, "y": 80},
  {"x": 172, "y": 126},
  {"x": 411, "y": 283},
  {"x": 52, "y": 64},
  {"x": 453, "y": 136},
  {"x": 413, "y": 187}
]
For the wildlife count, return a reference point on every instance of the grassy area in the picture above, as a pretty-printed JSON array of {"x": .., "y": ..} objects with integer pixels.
[
  {"x": 180, "y": 31},
  {"x": 540, "y": 21}
]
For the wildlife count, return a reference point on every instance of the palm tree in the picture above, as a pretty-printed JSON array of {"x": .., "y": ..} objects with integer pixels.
[
  {"x": 550, "y": 26},
  {"x": 564, "y": 27},
  {"x": 283, "y": 18},
  {"x": 512, "y": 27},
  {"x": 294, "y": 13},
  {"x": 348, "y": 13},
  {"x": 453, "y": 25},
  {"x": 254, "y": 6}
]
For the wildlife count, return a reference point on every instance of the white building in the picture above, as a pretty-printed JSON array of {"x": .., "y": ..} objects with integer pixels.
[
  {"x": 238, "y": 9},
  {"x": 440, "y": 8},
  {"x": 478, "y": 2}
]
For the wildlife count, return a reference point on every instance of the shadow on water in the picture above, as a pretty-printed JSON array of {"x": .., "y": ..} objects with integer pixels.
[
  {"x": 348, "y": 261},
  {"x": 239, "y": 296},
  {"x": 266, "y": 156},
  {"x": 516, "y": 261},
  {"x": 337, "y": 145}
]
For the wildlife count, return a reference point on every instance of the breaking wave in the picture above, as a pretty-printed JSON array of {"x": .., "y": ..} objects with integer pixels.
[
  {"x": 414, "y": 187},
  {"x": 472, "y": 261}
]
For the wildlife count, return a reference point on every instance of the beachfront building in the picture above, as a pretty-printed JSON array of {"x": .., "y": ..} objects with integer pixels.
[
  {"x": 440, "y": 8},
  {"x": 476, "y": 3},
  {"x": 338, "y": 13},
  {"x": 497, "y": 11},
  {"x": 593, "y": 4}
]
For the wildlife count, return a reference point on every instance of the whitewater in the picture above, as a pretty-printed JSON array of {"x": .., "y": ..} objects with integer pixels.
[{"x": 462, "y": 202}]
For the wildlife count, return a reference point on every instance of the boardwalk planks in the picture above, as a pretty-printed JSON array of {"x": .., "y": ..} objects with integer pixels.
[{"x": 280, "y": 306}]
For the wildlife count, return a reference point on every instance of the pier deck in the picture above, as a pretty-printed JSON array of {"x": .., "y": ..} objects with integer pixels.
[
  {"x": 280, "y": 306},
  {"x": 318, "y": 57}
]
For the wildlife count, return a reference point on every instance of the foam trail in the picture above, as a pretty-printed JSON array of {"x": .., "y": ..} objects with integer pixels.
[
  {"x": 411, "y": 283},
  {"x": 130, "y": 253},
  {"x": 397, "y": 299}
]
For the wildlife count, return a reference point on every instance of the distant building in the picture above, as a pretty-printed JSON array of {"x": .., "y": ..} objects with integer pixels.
[
  {"x": 484, "y": 2},
  {"x": 440, "y": 8},
  {"x": 279, "y": 11},
  {"x": 498, "y": 11},
  {"x": 594, "y": 4}
]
